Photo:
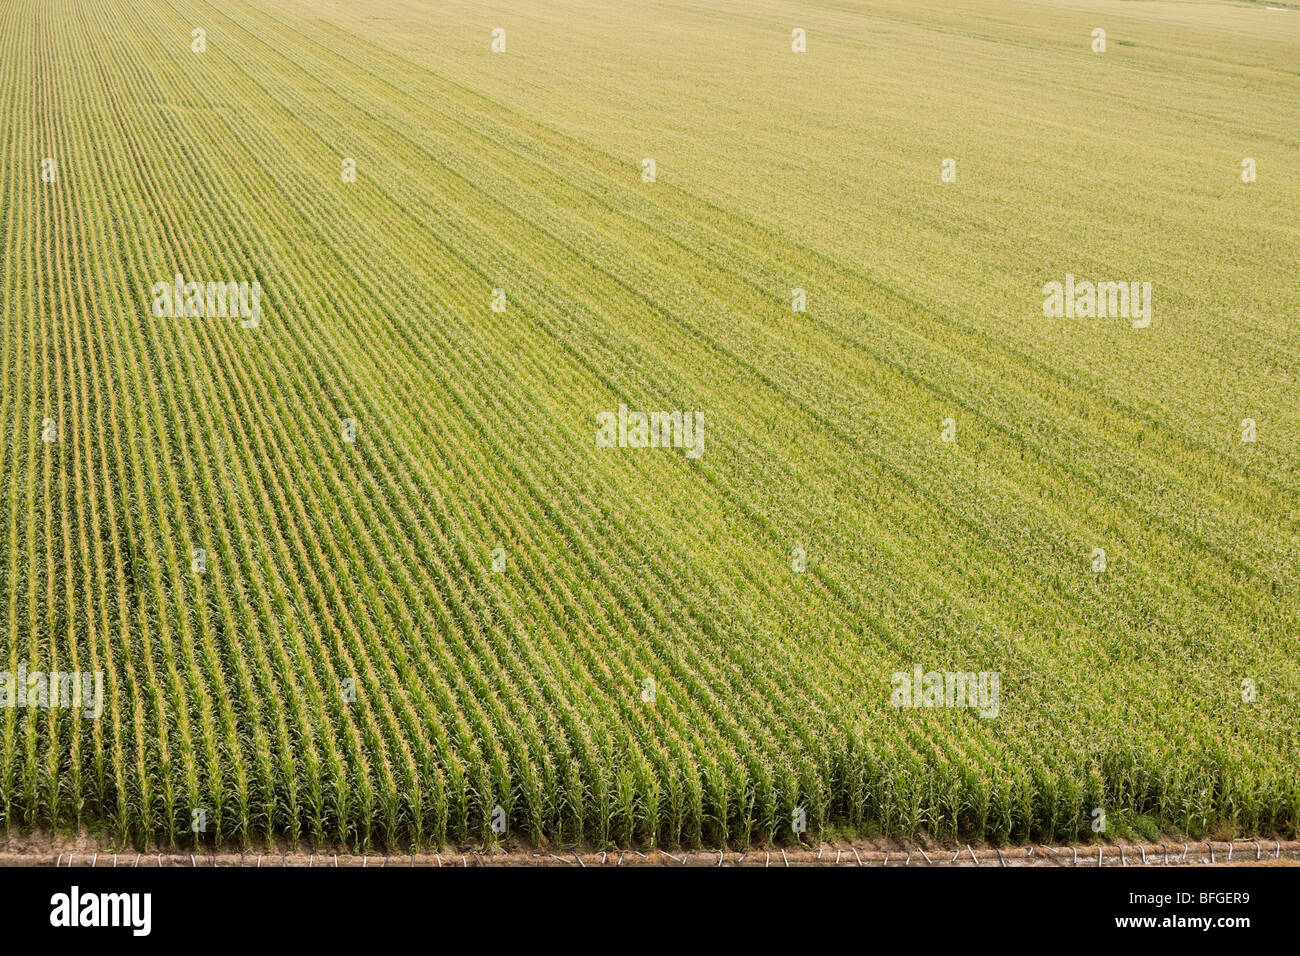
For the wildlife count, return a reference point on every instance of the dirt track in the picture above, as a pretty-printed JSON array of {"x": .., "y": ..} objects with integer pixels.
[{"x": 1217, "y": 853}]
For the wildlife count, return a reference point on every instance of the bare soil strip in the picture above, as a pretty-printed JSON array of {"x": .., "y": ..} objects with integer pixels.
[{"x": 1203, "y": 853}]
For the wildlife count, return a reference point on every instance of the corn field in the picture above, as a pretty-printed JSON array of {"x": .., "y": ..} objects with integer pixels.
[{"x": 356, "y": 570}]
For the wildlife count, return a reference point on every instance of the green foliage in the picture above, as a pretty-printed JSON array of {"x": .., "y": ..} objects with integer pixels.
[{"x": 350, "y": 668}]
